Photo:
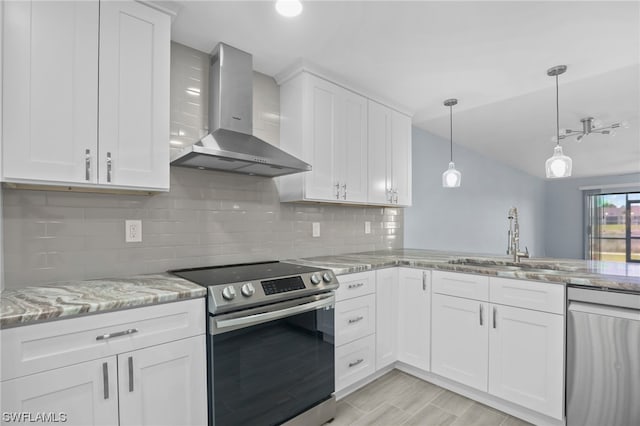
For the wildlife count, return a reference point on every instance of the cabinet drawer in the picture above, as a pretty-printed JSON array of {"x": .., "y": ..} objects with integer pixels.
[
  {"x": 355, "y": 285},
  {"x": 355, "y": 318},
  {"x": 461, "y": 285},
  {"x": 39, "y": 347},
  {"x": 355, "y": 361},
  {"x": 528, "y": 294}
]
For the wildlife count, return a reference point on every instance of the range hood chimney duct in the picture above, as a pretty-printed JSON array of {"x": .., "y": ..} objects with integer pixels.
[{"x": 231, "y": 146}]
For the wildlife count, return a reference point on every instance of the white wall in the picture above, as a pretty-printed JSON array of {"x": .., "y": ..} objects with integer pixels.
[
  {"x": 564, "y": 216},
  {"x": 472, "y": 218}
]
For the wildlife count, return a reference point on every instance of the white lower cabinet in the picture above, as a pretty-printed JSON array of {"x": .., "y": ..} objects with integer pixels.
[
  {"x": 414, "y": 317},
  {"x": 526, "y": 358},
  {"x": 460, "y": 340},
  {"x": 85, "y": 394},
  {"x": 159, "y": 385},
  {"x": 512, "y": 352},
  {"x": 129, "y": 382},
  {"x": 355, "y": 329},
  {"x": 355, "y": 361}
]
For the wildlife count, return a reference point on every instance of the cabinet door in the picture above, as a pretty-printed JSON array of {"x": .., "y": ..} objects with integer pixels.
[
  {"x": 85, "y": 394},
  {"x": 379, "y": 123},
  {"x": 401, "y": 157},
  {"x": 460, "y": 341},
  {"x": 134, "y": 95},
  {"x": 353, "y": 173},
  {"x": 414, "y": 317},
  {"x": 50, "y": 90},
  {"x": 526, "y": 358},
  {"x": 164, "y": 384},
  {"x": 323, "y": 133},
  {"x": 386, "y": 316}
]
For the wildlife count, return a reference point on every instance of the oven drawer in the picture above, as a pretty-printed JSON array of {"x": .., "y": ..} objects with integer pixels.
[
  {"x": 356, "y": 285},
  {"x": 355, "y": 318},
  {"x": 33, "y": 348},
  {"x": 355, "y": 361}
]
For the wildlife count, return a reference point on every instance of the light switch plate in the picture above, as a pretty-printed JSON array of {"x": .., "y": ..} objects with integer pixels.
[
  {"x": 133, "y": 231},
  {"x": 316, "y": 229},
  {"x": 367, "y": 227}
]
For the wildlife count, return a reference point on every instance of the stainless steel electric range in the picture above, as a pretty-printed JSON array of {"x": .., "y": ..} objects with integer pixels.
[{"x": 270, "y": 343}]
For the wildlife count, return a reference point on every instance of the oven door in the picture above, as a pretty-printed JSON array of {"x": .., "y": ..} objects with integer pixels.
[{"x": 269, "y": 364}]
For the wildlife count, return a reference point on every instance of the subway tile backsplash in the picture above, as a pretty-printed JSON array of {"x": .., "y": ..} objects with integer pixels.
[{"x": 208, "y": 218}]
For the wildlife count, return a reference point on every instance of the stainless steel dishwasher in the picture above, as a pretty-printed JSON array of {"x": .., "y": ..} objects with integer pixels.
[{"x": 603, "y": 358}]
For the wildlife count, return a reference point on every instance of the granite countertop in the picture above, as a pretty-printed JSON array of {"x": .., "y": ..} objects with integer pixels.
[
  {"x": 610, "y": 275},
  {"x": 45, "y": 302}
]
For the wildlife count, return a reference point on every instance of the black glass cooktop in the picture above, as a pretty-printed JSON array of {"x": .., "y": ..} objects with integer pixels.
[{"x": 227, "y": 274}]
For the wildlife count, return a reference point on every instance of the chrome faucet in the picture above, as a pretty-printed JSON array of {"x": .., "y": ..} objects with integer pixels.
[{"x": 513, "y": 235}]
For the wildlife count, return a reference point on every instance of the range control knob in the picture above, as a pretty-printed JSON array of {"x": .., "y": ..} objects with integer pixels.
[
  {"x": 327, "y": 277},
  {"x": 248, "y": 290},
  {"x": 315, "y": 279},
  {"x": 229, "y": 293}
]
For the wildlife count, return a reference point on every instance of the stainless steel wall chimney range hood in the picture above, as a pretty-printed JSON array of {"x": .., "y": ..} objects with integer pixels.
[{"x": 230, "y": 146}]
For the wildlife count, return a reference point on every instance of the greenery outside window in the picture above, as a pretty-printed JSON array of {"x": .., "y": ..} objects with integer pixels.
[{"x": 613, "y": 227}]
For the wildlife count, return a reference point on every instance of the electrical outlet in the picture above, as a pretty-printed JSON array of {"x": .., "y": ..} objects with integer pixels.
[
  {"x": 316, "y": 229},
  {"x": 367, "y": 227},
  {"x": 133, "y": 231}
]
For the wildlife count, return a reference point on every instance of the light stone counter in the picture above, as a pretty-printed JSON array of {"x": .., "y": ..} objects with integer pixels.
[
  {"x": 610, "y": 275},
  {"x": 45, "y": 302}
]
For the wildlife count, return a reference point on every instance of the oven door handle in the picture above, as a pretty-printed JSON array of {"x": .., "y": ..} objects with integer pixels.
[{"x": 269, "y": 316}]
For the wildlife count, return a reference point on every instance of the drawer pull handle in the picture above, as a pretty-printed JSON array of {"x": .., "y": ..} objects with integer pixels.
[
  {"x": 356, "y": 319},
  {"x": 105, "y": 378},
  {"x": 356, "y": 362},
  {"x": 130, "y": 374},
  {"x": 481, "y": 320},
  {"x": 356, "y": 285},
  {"x": 494, "y": 318},
  {"x": 117, "y": 334}
]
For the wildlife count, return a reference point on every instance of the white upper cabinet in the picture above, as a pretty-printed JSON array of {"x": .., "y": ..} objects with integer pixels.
[
  {"x": 50, "y": 90},
  {"x": 389, "y": 156},
  {"x": 134, "y": 95},
  {"x": 86, "y": 94},
  {"x": 325, "y": 125},
  {"x": 360, "y": 150}
]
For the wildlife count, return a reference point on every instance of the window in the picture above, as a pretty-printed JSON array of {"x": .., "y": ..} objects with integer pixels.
[{"x": 613, "y": 227}]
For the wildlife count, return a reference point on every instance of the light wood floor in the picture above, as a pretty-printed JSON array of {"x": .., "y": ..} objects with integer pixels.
[{"x": 400, "y": 399}]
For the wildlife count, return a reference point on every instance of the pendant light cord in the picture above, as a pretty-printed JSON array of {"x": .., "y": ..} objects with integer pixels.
[
  {"x": 557, "y": 114},
  {"x": 451, "y": 131}
]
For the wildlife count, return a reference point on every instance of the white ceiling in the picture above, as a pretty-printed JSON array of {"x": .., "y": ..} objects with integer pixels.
[{"x": 492, "y": 56}]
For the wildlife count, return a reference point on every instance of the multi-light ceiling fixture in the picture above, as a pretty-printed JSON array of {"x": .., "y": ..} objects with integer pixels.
[
  {"x": 559, "y": 165},
  {"x": 591, "y": 125},
  {"x": 451, "y": 177}
]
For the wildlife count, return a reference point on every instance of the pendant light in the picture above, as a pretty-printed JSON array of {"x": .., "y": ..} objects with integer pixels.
[
  {"x": 558, "y": 165},
  {"x": 451, "y": 177}
]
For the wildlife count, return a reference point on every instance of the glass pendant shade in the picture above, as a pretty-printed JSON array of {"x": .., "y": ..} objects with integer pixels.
[
  {"x": 451, "y": 177},
  {"x": 559, "y": 165},
  {"x": 289, "y": 8}
]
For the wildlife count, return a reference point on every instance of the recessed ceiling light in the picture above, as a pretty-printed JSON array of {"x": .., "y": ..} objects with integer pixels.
[{"x": 289, "y": 8}]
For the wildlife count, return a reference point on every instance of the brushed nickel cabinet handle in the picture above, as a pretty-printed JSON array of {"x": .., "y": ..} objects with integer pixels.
[
  {"x": 87, "y": 164},
  {"x": 105, "y": 379},
  {"x": 355, "y": 285},
  {"x": 494, "y": 317},
  {"x": 424, "y": 281},
  {"x": 344, "y": 191},
  {"x": 109, "y": 164},
  {"x": 130, "y": 374},
  {"x": 481, "y": 320},
  {"x": 356, "y": 319},
  {"x": 337, "y": 185},
  {"x": 356, "y": 362},
  {"x": 117, "y": 334}
]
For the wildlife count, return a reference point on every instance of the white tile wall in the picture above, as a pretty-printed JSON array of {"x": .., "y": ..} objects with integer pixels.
[{"x": 208, "y": 218}]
